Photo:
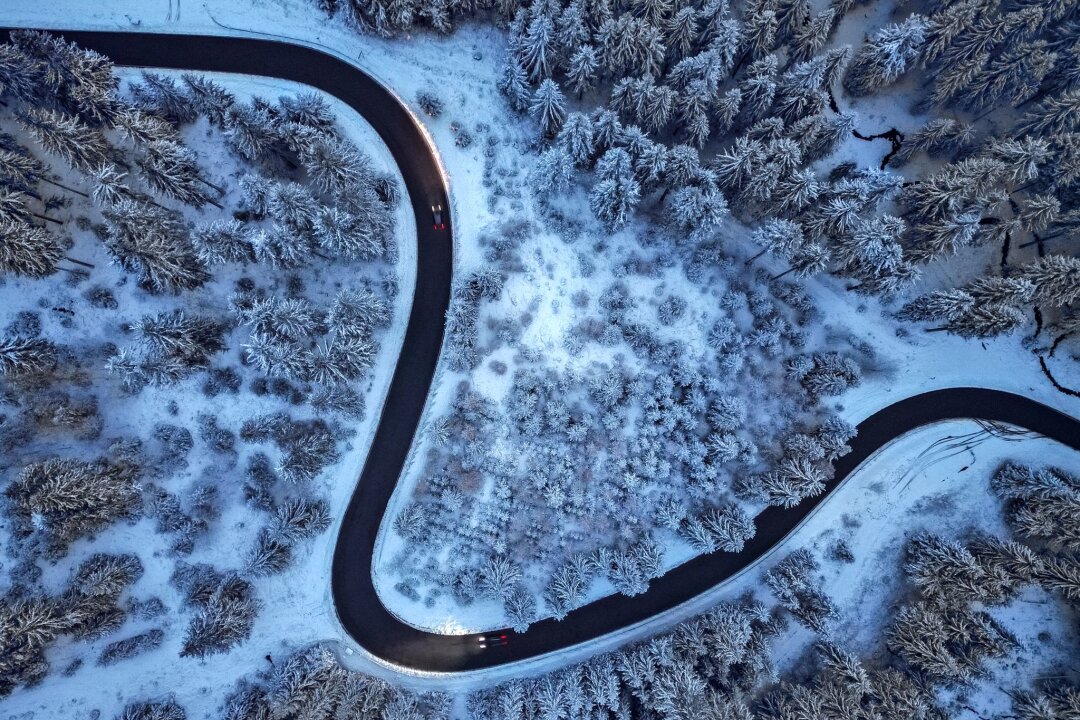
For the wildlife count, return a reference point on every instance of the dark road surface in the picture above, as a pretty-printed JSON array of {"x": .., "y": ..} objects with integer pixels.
[{"x": 358, "y": 605}]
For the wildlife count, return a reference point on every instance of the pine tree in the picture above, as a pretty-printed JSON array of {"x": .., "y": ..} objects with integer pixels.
[
  {"x": 548, "y": 106},
  {"x": 141, "y": 129},
  {"x": 797, "y": 191},
  {"x": 345, "y": 235},
  {"x": 26, "y": 356},
  {"x": 1056, "y": 115},
  {"x": 761, "y": 32},
  {"x": 538, "y": 48},
  {"x": 514, "y": 84},
  {"x": 291, "y": 318},
  {"x": 571, "y": 29},
  {"x": 223, "y": 620},
  {"x": 170, "y": 169},
  {"x": 616, "y": 194},
  {"x": 576, "y": 138},
  {"x": 28, "y": 251},
  {"x": 759, "y": 87},
  {"x": 357, "y": 313},
  {"x": 581, "y": 74},
  {"x": 222, "y": 241},
  {"x": 726, "y": 110},
  {"x": 191, "y": 338},
  {"x": 780, "y": 237},
  {"x": 886, "y": 56},
  {"x": 335, "y": 166},
  {"x": 82, "y": 147},
  {"x": 520, "y": 608},
  {"x": 208, "y": 98},
  {"x": 19, "y": 75},
  {"x": 681, "y": 31},
  {"x": 809, "y": 39},
  {"x": 939, "y": 305},
  {"x": 167, "y": 710},
  {"x": 553, "y": 171},
  {"x": 109, "y": 186},
  {"x": 153, "y": 242},
  {"x": 68, "y": 499},
  {"x": 159, "y": 95},
  {"x": 1056, "y": 279}
]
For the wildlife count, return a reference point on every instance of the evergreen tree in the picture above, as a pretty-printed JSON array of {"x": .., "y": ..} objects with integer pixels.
[
  {"x": 548, "y": 106},
  {"x": 26, "y": 356},
  {"x": 170, "y": 169},
  {"x": 208, "y": 98},
  {"x": 581, "y": 74},
  {"x": 160, "y": 95},
  {"x": 153, "y": 242},
  {"x": 886, "y": 56},
  {"x": 1056, "y": 115},
  {"x": 576, "y": 138},
  {"x": 514, "y": 84},
  {"x": 27, "y": 250},
  {"x": 222, "y": 241},
  {"x": 616, "y": 194},
  {"x": 67, "y": 499},
  {"x": 1056, "y": 279},
  {"x": 82, "y": 147}
]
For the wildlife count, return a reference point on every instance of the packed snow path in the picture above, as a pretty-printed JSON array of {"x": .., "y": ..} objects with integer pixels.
[{"x": 358, "y": 605}]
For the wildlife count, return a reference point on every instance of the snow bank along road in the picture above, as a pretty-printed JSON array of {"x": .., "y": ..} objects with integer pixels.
[{"x": 358, "y": 605}]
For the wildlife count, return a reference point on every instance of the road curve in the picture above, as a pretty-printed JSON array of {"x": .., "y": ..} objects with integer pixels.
[{"x": 359, "y": 608}]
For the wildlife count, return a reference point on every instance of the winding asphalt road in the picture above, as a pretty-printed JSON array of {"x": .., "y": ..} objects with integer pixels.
[{"x": 358, "y": 605}]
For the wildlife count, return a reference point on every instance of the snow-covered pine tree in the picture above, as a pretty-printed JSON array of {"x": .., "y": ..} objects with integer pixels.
[
  {"x": 616, "y": 194},
  {"x": 222, "y": 241},
  {"x": 66, "y": 499},
  {"x": 548, "y": 106},
  {"x": 26, "y": 356},
  {"x": 65, "y": 136},
  {"x": 1056, "y": 279},
  {"x": 28, "y": 250},
  {"x": 886, "y": 56},
  {"x": 576, "y": 138},
  {"x": 208, "y": 98},
  {"x": 160, "y": 95},
  {"x": 538, "y": 47},
  {"x": 153, "y": 242},
  {"x": 808, "y": 40},
  {"x": 191, "y": 338},
  {"x": 1058, "y": 114},
  {"x": 170, "y": 169}
]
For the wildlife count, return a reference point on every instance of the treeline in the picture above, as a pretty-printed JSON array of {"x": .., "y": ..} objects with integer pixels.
[{"x": 760, "y": 88}]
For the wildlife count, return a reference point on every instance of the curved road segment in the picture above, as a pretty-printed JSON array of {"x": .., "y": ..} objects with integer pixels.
[{"x": 359, "y": 608}]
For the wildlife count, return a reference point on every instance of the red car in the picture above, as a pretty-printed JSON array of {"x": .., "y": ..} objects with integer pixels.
[{"x": 437, "y": 217}]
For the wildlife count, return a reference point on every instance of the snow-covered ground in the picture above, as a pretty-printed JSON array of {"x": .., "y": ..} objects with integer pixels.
[
  {"x": 892, "y": 494},
  {"x": 296, "y": 605}
]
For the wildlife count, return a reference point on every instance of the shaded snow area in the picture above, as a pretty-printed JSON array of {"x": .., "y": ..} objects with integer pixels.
[
  {"x": 936, "y": 480},
  {"x": 207, "y": 484}
]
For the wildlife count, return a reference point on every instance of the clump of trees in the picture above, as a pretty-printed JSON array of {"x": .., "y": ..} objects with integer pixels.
[
  {"x": 312, "y": 683},
  {"x": 944, "y": 633},
  {"x": 59, "y": 500},
  {"x": 88, "y": 609},
  {"x": 224, "y": 609},
  {"x": 171, "y": 346}
]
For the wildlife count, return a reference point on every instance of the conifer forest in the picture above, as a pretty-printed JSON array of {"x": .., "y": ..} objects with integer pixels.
[{"x": 540, "y": 360}]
